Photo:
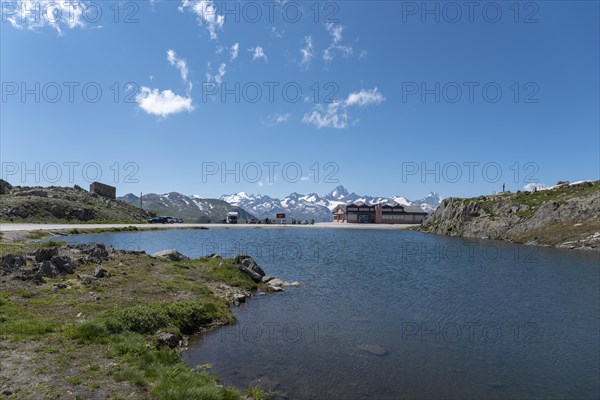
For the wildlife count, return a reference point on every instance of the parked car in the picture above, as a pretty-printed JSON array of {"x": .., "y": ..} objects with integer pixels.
[
  {"x": 158, "y": 220},
  {"x": 164, "y": 220}
]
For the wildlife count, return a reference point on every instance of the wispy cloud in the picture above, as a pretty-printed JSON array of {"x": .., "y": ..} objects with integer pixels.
[
  {"x": 37, "y": 14},
  {"x": 258, "y": 53},
  {"x": 218, "y": 77},
  {"x": 332, "y": 116},
  {"x": 163, "y": 103},
  {"x": 179, "y": 63},
  {"x": 335, "y": 115},
  {"x": 335, "y": 31},
  {"x": 235, "y": 49},
  {"x": 276, "y": 119},
  {"x": 207, "y": 13},
  {"x": 307, "y": 52},
  {"x": 364, "y": 98}
]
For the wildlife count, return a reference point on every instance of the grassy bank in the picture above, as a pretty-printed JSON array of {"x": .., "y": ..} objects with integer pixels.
[{"x": 64, "y": 338}]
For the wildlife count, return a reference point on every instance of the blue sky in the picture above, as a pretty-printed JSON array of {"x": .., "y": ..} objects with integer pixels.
[{"x": 379, "y": 101}]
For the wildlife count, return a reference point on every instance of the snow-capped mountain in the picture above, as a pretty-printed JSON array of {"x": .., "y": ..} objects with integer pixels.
[
  {"x": 313, "y": 206},
  {"x": 192, "y": 209},
  {"x": 295, "y": 206}
]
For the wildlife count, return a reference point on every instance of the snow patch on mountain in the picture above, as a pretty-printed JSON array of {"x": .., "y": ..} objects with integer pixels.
[{"x": 319, "y": 208}]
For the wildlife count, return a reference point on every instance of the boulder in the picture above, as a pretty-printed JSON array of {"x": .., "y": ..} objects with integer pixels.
[
  {"x": 239, "y": 298},
  {"x": 172, "y": 255},
  {"x": 59, "y": 286},
  {"x": 214, "y": 255},
  {"x": 240, "y": 257},
  {"x": 45, "y": 254},
  {"x": 11, "y": 263},
  {"x": 65, "y": 265},
  {"x": 100, "y": 272},
  {"x": 251, "y": 264},
  {"x": 256, "y": 277},
  {"x": 91, "y": 253},
  {"x": 31, "y": 275},
  {"x": 47, "y": 269},
  {"x": 266, "y": 278},
  {"x": 87, "y": 279},
  {"x": 166, "y": 339},
  {"x": 276, "y": 282}
]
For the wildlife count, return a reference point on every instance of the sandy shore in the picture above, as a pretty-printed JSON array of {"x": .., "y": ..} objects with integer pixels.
[{"x": 34, "y": 227}]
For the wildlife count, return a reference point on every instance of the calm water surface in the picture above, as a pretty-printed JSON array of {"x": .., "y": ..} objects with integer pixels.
[{"x": 400, "y": 314}]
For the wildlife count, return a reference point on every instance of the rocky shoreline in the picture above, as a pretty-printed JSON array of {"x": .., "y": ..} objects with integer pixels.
[
  {"x": 565, "y": 216},
  {"x": 90, "y": 295}
]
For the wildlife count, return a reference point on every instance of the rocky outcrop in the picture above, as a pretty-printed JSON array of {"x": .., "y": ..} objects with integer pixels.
[
  {"x": 12, "y": 263},
  {"x": 63, "y": 204},
  {"x": 564, "y": 216},
  {"x": 52, "y": 262},
  {"x": 172, "y": 255},
  {"x": 248, "y": 266}
]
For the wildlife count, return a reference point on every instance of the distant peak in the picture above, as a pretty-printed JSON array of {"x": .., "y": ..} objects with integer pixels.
[{"x": 339, "y": 191}]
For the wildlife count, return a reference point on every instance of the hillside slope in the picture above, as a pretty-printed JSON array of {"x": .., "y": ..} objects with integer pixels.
[
  {"x": 567, "y": 215},
  {"x": 189, "y": 209},
  {"x": 22, "y": 204}
]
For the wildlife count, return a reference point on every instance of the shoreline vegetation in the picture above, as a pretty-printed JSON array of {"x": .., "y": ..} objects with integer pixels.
[{"x": 91, "y": 322}]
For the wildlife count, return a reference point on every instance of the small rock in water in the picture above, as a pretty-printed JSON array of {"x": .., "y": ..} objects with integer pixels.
[
  {"x": 373, "y": 349},
  {"x": 239, "y": 298},
  {"x": 276, "y": 282}
]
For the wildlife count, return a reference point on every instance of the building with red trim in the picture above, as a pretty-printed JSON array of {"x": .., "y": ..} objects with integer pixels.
[{"x": 378, "y": 214}]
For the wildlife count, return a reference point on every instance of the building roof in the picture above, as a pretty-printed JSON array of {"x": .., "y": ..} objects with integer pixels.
[{"x": 414, "y": 210}]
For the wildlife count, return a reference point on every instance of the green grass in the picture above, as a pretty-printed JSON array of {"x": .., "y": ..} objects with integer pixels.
[
  {"x": 20, "y": 324},
  {"x": 36, "y": 235},
  {"x": 226, "y": 272},
  {"x": 115, "y": 340},
  {"x": 256, "y": 393}
]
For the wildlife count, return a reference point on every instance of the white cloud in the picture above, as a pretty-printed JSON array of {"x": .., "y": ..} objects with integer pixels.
[
  {"x": 332, "y": 116},
  {"x": 179, "y": 63},
  {"x": 335, "y": 115},
  {"x": 364, "y": 98},
  {"x": 162, "y": 103},
  {"x": 277, "y": 33},
  {"x": 307, "y": 52},
  {"x": 258, "y": 53},
  {"x": 218, "y": 77},
  {"x": 336, "y": 47},
  {"x": 207, "y": 13},
  {"x": 275, "y": 119},
  {"x": 37, "y": 14},
  {"x": 234, "y": 51}
]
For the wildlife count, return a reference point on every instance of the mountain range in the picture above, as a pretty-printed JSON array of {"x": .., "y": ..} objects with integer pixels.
[
  {"x": 192, "y": 209},
  {"x": 313, "y": 206},
  {"x": 195, "y": 209}
]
